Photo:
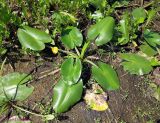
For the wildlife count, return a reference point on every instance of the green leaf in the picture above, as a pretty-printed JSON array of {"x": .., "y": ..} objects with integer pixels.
[
  {"x": 33, "y": 38},
  {"x": 65, "y": 96},
  {"x": 135, "y": 64},
  {"x": 71, "y": 70},
  {"x": 71, "y": 17},
  {"x": 2, "y": 51},
  {"x": 139, "y": 15},
  {"x": 13, "y": 88},
  {"x": 71, "y": 37},
  {"x": 151, "y": 15},
  {"x": 154, "y": 61},
  {"x": 106, "y": 76},
  {"x": 4, "y": 109},
  {"x": 100, "y": 4},
  {"x": 6, "y": 12},
  {"x": 152, "y": 38},
  {"x": 124, "y": 29},
  {"x": 102, "y": 31},
  {"x": 147, "y": 49},
  {"x": 1, "y": 40}
]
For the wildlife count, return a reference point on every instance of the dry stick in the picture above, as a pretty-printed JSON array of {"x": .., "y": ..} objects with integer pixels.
[
  {"x": 50, "y": 73},
  {"x": 1, "y": 69},
  {"x": 24, "y": 110},
  {"x": 33, "y": 113},
  {"x": 93, "y": 58},
  {"x": 117, "y": 15},
  {"x": 124, "y": 75},
  {"x": 46, "y": 71},
  {"x": 131, "y": 5},
  {"x": 149, "y": 4},
  {"x": 142, "y": 3},
  {"x": 155, "y": 24}
]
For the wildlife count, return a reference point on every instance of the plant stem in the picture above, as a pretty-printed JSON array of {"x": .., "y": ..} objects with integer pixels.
[
  {"x": 158, "y": 51},
  {"x": 64, "y": 51},
  {"x": 77, "y": 51},
  {"x": 46, "y": 117},
  {"x": 2, "y": 66},
  {"x": 68, "y": 53},
  {"x": 90, "y": 62},
  {"x": 84, "y": 49},
  {"x": 142, "y": 3},
  {"x": 24, "y": 110}
]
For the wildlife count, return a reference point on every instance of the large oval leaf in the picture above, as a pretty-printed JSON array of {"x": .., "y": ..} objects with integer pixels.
[
  {"x": 71, "y": 70},
  {"x": 135, "y": 64},
  {"x": 106, "y": 76},
  {"x": 152, "y": 38},
  {"x": 139, "y": 15},
  {"x": 65, "y": 96},
  {"x": 102, "y": 31},
  {"x": 33, "y": 38},
  {"x": 12, "y": 87},
  {"x": 71, "y": 37}
]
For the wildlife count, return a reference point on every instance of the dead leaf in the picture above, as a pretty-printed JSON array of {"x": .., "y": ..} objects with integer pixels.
[{"x": 96, "y": 98}]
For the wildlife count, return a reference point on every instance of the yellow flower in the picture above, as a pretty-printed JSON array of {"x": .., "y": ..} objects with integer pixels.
[
  {"x": 54, "y": 50},
  {"x": 134, "y": 44}
]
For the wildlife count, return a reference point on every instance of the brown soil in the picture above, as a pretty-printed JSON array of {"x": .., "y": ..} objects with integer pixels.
[{"x": 131, "y": 104}]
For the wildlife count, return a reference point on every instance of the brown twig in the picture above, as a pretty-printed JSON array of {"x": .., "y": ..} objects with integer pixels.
[
  {"x": 48, "y": 74},
  {"x": 93, "y": 58},
  {"x": 142, "y": 1}
]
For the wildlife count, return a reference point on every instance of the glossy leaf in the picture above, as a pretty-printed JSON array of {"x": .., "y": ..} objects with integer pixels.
[
  {"x": 65, "y": 96},
  {"x": 139, "y": 15},
  {"x": 135, "y": 64},
  {"x": 106, "y": 76},
  {"x": 152, "y": 38},
  {"x": 102, "y": 31},
  {"x": 12, "y": 87},
  {"x": 71, "y": 70},
  {"x": 124, "y": 29},
  {"x": 32, "y": 38},
  {"x": 148, "y": 50},
  {"x": 71, "y": 37}
]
